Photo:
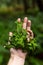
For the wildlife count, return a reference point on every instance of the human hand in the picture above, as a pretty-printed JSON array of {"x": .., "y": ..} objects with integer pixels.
[
  {"x": 18, "y": 54},
  {"x": 27, "y": 26},
  {"x": 17, "y": 57}
]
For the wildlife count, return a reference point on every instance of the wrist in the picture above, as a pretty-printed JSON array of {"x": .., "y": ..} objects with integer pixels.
[{"x": 18, "y": 60}]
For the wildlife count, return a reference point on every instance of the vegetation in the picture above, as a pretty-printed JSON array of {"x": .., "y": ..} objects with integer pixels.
[{"x": 9, "y": 12}]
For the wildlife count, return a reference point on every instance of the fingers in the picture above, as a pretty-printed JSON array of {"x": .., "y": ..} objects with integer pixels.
[
  {"x": 29, "y": 31},
  {"x": 13, "y": 52},
  {"x": 25, "y": 23},
  {"x": 18, "y": 52},
  {"x": 30, "y": 35},
  {"x": 25, "y": 20},
  {"x": 19, "y": 20},
  {"x": 28, "y": 25},
  {"x": 10, "y": 34}
]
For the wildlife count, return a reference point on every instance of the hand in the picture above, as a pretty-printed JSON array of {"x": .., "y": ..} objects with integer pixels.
[
  {"x": 27, "y": 26},
  {"x": 17, "y": 57},
  {"x": 18, "y": 54}
]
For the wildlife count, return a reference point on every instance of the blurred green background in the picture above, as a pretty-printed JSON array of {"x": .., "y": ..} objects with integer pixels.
[{"x": 10, "y": 10}]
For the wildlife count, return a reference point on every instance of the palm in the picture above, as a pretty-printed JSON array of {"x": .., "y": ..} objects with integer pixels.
[
  {"x": 18, "y": 53},
  {"x": 27, "y": 26}
]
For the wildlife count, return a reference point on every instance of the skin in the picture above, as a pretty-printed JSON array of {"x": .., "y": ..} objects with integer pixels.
[{"x": 17, "y": 57}]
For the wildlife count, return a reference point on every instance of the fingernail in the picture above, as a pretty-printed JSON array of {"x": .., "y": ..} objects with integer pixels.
[
  {"x": 18, "y": 19},
  {"x": 25, "y": 23},
  {"x": 10, "y": 34},
  {"x": 25, "y": 19},
  {"x": 29, "y": 23}
]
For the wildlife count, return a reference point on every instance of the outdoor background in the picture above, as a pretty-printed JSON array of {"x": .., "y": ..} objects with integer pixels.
[{"x": 10, "y": 10}]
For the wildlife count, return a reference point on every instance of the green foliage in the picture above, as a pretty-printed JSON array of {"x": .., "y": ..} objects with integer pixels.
[
  {"x": 9, "y": 8},
  {"x": 7, "y": 24},
  {"x": 1, "y": 58},
  {"x": 19, "y": 39},
  {"x": 33, "y": 61}
]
